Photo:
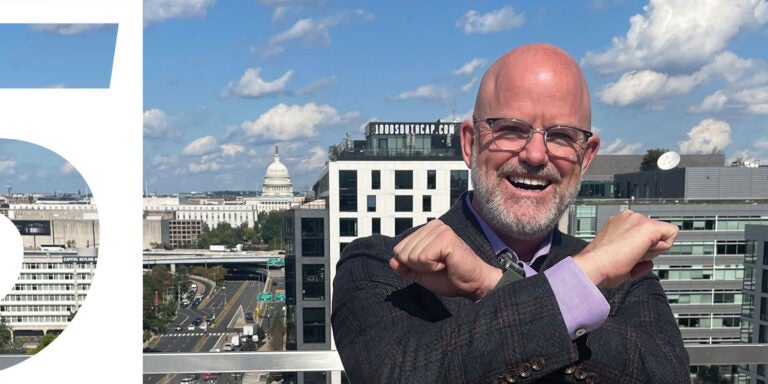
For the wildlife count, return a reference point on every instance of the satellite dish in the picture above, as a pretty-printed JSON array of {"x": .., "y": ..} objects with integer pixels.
[{"x": 668, "y": 160}]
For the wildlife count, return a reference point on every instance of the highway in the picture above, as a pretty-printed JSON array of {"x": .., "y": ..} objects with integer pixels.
[{"x": 228, "y": 305}]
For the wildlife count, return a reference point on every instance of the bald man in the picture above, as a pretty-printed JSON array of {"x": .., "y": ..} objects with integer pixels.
[{"x": 492, "y": 291}]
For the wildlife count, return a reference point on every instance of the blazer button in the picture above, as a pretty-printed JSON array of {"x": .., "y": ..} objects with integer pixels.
[
  {"x": 592, "y": 379},
  {"x": 511, "y": 376},
  {"x": 497, "y": 380},
  {"x": 580, "y": 373},
  {"x": 537, "y": 363},
  {"x": 524, "y": 370},
  {"x": 570, "y": 369}
]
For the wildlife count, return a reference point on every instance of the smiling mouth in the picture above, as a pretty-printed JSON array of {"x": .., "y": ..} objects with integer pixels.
[{"x": 529, "y": 184}]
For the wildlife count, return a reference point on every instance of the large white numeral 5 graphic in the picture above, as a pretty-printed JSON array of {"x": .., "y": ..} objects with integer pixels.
[{"x": 98, "y": 131}]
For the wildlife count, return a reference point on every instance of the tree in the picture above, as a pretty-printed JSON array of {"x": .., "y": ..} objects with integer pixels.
[
  {"x": 710, "y": 374},
  {"x": 6, "y": 340},
  {"x": 271, "y": 226},
  {"x": 650, "y": 159},
  {"x": 47, "y": 339},
  {"x": 333, "y": 152}
]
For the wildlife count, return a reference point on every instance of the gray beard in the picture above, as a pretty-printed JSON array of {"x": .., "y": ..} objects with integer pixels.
[{"x": 503, "y": 212}]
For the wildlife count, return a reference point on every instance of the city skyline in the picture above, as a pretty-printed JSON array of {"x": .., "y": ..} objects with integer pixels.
[
  {"x": 227, "y": 83},
  {"x": 224, "y": 83}
]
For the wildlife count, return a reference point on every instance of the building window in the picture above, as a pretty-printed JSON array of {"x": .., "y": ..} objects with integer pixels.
[
  {"x": 347, "y": 226},
  {"x": 313, "y": 281},
  {"x": 312, "y": 236},
  {"x": 348, "y": 191},
  {"x": 314, "y": 325},
  {"x": 426, "y": 203},
  {"x": 376, "y": 179},
  {"x": 431, "y": 179},
  {"x": 404, "y": 203},
  {"x": 404, "y": 179},
  {"x": 459, "y": 184},
  {"x": 402, "y": 224},
  {"x": 371, "y": 203},
  {"x": 375, "y": 226}
]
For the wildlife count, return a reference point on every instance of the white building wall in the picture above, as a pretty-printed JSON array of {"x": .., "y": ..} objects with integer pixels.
[{"x": 385, "y": 197}]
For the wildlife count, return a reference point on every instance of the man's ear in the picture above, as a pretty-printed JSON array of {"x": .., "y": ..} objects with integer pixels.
[
  {"x": 467, "y": 141},
  {"x": 590, "y": 151}
]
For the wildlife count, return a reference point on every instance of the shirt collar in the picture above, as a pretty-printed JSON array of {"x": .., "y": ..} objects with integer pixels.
[{"x": 497, "y": 244}]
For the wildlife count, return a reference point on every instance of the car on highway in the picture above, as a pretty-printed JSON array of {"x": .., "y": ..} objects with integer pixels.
[
  {"x": 191, "y": 327},
  {"x": 249, "y": 316},
  {"x": 189, "y": 379},
  {"x": 228, "y": 347},
  {"x": 179, "y": 327},
  {"x": 211, "y": 378}
]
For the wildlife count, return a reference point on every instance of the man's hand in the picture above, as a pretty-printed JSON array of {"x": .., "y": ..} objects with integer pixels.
[
  {"x": 435, "y": 257},
  {"x": 625, "y": 248}
]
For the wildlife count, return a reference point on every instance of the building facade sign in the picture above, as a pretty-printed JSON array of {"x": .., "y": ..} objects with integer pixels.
[{"x": 378, "y": 128}]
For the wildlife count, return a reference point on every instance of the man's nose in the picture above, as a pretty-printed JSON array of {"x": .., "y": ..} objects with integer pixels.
[{"x": 535, "y": 151}]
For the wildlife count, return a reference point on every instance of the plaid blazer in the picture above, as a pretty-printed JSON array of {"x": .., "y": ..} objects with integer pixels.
[{"x": 389, "y": 329}]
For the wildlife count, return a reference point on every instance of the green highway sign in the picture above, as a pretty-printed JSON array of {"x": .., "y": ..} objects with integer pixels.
[
  {"x": 265, "y": 296},
  {"x": 279, "y": 296},
  {"x": 276, "y": 262}
]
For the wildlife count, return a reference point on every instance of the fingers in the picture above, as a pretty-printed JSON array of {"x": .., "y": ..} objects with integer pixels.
[
  {"x": 422, "y": 250},
  {"x": 624, "y": 248}
]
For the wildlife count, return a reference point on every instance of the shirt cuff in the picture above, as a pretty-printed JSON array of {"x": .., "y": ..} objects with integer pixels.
[{"x": 582, "y": 305}]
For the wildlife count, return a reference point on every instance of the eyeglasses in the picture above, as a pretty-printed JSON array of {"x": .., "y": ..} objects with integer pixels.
[{"x": 510, "y": 134}]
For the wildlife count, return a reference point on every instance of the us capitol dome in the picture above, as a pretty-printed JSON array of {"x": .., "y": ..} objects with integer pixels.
[{"x": 277, "y": 181}]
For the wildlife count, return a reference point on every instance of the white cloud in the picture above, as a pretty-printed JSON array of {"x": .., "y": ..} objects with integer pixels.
[
  {"x": 67, "y": 168},
  {"x": 251, "y": 85},
  {"x": 157, "y": 125},
  {"x": 469, "y": 86},
  {"x": 160, "y": 161},
  {"x": 429, "y": 92},
  {"x": 753, "y": 100},
  {"x": 677, "y": 34},
  {"x": 7, "y": 167},
  {"x": 311, "y": 32},
  {"x": 203, "y": 167},
  {"x": 761, "y": 143},
  {"x": 710, "y": 135},
  {"x": 646, "y": 87},
  {"x": 284, "y": 122},
  {"x": 494, "y": 21},
  {"x": 313, "y": 161},
  {"x": 66, "y": 29},
  {"x": 232, "y": 149},
  {"x": 746, "y": 90},
  {"x": 618, "y": 147},
  {"x": 470, "y": 67},
  {"x": 712, "y": 103},
  {"x": 202, "y": 146},
  {"x": 159, "y": 10},
  {"x": 316, "y": 86},
  {"x": 749, "y": 157}
]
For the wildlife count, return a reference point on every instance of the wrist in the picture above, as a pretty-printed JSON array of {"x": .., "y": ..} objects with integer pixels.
[{"x": 491, "y": 277}]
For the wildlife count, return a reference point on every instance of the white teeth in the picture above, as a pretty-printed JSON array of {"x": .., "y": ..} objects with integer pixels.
[{"x": 522, "y": 180}]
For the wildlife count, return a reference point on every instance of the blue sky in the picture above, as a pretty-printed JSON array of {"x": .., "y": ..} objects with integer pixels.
[
  {"x": 227, "y": 81},
  {"x": 49, "y": 56}
]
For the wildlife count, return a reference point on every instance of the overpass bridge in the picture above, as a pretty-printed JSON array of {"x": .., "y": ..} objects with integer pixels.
[{"x": 248, "y": 263}]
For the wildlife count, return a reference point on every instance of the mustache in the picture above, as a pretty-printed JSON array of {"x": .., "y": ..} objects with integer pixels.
[{"x": 524, "y": 170}]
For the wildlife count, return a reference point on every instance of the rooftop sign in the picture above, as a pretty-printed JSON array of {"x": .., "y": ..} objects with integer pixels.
[{"x": 381, "y": 128}]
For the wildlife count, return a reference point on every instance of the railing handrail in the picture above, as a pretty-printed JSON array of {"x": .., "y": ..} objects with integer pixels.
[{"x": 313, "y": 361}]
